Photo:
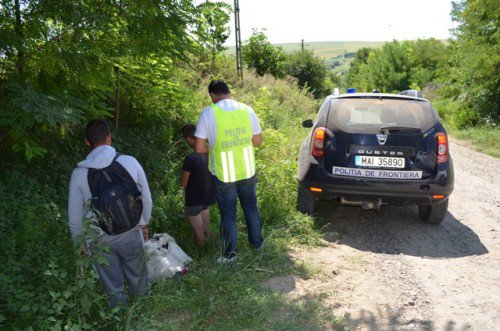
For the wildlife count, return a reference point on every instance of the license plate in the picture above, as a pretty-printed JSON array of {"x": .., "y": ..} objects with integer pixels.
[{"x": 380, "y": 161}]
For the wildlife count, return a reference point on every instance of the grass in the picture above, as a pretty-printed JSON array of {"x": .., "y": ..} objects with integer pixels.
[
  {"x": 325, "y": 49},
  {"x": 229, "y": 297},
  {"x": 331, "y": 49},
  {"x": 484, "y": 139}
]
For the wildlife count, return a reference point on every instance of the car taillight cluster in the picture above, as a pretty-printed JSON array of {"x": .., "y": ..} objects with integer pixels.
[
  {"x": 442, "y": 147},
  {"x": 318, "y": 142}
]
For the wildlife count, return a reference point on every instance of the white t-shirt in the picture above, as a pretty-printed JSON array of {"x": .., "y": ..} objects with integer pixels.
[
  {"x": 207, "y": 127},
  {"x": 79, "y": 191}
]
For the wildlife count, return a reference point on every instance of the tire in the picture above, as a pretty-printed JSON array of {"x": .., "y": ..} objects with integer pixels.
[
  {"x": 433, "y": 214},
  {"x": 305, "y": 201}
]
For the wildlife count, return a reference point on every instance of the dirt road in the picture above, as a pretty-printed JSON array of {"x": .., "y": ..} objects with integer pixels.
[{"x": 387, "y": 270}]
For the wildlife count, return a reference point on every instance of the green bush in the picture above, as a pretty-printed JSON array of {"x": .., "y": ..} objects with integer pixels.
[
  {"x": 259, "y": 54},
  {"x": 44, "y": 282},
  {"x": 39, "y": 283},
  {"x": 309, "y": 71},
  {"x": 456, "y": 113}
]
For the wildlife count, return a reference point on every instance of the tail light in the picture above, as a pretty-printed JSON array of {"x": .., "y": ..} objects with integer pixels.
[
  {"x": 318, "y": 142},
  {"x": 442, "y": 148}
]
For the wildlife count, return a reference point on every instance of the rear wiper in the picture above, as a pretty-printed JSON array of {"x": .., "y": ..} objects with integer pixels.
[{"x": 387, "y": 129}]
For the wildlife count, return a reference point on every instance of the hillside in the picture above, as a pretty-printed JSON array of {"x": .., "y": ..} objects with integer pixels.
[
  {"x": 324, "y": 49},
  {"x": 330, "y": 51}
]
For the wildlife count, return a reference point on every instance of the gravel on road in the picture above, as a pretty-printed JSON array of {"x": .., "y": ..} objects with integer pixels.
[{"x": 388, "y": 270}]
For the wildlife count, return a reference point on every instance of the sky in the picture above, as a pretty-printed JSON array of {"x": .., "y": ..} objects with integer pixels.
[{"x": 346, "y": 20}]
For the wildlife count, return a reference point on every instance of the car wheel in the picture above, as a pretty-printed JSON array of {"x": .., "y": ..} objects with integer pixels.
[
  {"x": 305, "y": 201},
  {"x": 433, "y": 214}
]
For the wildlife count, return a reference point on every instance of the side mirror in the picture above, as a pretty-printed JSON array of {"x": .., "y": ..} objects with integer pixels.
[{"x": 307, "y": 124}]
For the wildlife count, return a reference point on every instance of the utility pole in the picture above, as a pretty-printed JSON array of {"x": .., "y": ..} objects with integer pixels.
[
  {"x": 302, "y": 45},
  {"x": 239, "y": 62}
]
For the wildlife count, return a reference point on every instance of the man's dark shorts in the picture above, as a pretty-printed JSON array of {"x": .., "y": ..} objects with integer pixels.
[{"x": 195, "y": 210}]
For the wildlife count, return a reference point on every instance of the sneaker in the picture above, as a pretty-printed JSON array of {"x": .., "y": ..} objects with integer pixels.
[
  {"x": 228, "y": 259},
  {"x": 260, "y": 247}
]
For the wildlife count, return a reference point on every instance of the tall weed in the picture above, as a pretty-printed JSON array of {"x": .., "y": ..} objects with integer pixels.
[{"x": 46, "y": 284}]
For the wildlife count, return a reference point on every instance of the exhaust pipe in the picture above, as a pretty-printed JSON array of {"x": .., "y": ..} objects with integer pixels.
[{"x": 365, "y": 205}]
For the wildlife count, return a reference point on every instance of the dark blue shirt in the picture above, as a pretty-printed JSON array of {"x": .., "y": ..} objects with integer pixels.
[{"x": 200, "y": 189}]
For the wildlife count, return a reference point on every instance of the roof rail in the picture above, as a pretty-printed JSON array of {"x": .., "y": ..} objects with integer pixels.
[{"x": 411, "y": 93}]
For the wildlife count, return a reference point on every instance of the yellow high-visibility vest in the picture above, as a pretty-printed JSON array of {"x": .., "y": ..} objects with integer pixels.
[{"x": 232, "y": 155}]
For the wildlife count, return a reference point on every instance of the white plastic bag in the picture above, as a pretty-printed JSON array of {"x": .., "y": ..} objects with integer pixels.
[{"x": 164, "y": 257}]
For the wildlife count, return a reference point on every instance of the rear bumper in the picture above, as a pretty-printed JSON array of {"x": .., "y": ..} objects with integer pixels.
[{"x": 398, "y": 192}]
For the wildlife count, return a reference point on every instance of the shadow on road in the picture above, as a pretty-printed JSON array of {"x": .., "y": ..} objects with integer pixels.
[
  {"x": 393, "y": 319},
  {"x": 396, "y": 230}
]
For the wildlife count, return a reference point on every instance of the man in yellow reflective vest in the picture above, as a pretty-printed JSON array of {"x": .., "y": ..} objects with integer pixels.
[{"x": 232, "y": 130}]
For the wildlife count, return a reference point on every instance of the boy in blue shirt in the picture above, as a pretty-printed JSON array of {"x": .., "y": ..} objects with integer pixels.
[{"x": 198, "y": 188}]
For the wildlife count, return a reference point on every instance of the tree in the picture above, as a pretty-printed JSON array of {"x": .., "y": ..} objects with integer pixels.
[
  {"x": 64, "y": 61},
  {"x": 389, "y": 68},
  {"x": 259, "y": 54},
  {"x": 474, "y": 74},
  {"x": 397, "y": 66},
  {"x": 356, "y": 66},
  {"x": 427, "y": 57},
  {"x": 212, "y": 28},
  {"x": 309, "y": 70}
]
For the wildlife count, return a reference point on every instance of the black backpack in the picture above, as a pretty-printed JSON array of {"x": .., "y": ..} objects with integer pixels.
[{"x": 116, "y": 199}]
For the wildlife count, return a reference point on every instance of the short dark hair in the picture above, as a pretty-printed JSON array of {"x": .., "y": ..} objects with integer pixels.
[
  {"x": 218, "y": 87},
  {"x": 97, "y": 131},
  {"x": 188, "y": 130}
]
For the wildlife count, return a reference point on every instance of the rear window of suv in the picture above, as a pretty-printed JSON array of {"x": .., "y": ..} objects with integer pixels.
[{"x": 370, "y": 114}]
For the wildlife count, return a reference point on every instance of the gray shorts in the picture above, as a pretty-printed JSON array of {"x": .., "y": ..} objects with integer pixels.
[{"x": 195, "y": 210}]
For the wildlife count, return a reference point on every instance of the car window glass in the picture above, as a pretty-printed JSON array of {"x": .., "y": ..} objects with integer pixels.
[
  {"x": 370, "y": 114},
  {"x": 321, "y": 116}
]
